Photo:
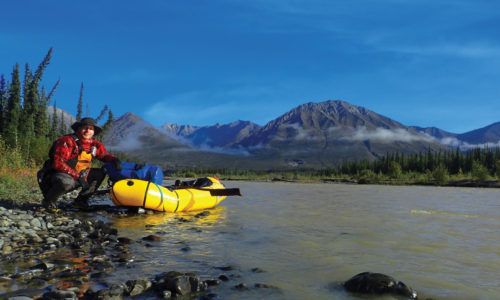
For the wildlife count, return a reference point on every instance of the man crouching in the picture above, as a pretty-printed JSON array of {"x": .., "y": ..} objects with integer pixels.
[{"x": 69, "y": 165}]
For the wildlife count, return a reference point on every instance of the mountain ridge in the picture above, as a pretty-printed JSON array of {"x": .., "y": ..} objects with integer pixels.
[{"x": 316, "y": 134}]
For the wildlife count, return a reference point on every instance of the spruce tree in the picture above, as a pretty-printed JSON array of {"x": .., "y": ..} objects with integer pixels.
[
  {"x": 53, "y": 90},
  {"x": 62, "y": 128},
  {"x": 41, "y": 116},
  {"x": 37, "y": 77},
  {"x": 40, "y": 100},
  {"x": 79, "y": 107},
  {"x": 109, "y": 122},
  {"x": 13, "y": 112},
  {"x": 102, "y": 113},
  {"x": 27, "y": 117},
  {"x": 54, "y": 128}
]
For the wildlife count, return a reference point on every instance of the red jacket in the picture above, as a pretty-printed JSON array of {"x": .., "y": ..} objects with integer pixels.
[{"x": 67, "y": 149}]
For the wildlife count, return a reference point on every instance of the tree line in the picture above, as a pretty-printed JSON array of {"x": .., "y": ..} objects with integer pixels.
[
  {"x": 451, "y": 162},
  {"x": 25, "y": 125},
  {"x": 430, "y": 167}
]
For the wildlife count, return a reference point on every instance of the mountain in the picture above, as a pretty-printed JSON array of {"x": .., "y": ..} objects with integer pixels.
[
  {"x": 130, "y": 132},
  {"x": 315, "y": 118},
  {"x": 487, "y": 134},
  {"x": 327, "y": 133},
  {"x": 312, "y": 135},
  {"x": 142, "y": 142},
  {"x": 435, "y": 132},
  {"x": 178, "y": 130},
  {"x": 221, "y": 136},
  {"x": 69, "y": 119}
]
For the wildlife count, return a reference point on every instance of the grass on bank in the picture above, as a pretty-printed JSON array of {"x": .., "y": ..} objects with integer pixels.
[
  {"x": 17, "y": 176},
  {"x": 439, "y": 176}
]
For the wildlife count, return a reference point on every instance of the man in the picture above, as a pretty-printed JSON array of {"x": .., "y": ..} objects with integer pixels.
[{"x": 69, "y": 165}]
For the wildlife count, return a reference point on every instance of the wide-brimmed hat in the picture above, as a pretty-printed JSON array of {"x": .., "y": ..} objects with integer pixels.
[{"x": 86, "y": 121}]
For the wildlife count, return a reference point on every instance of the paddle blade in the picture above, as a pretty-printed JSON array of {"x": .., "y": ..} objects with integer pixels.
[{"x": 225, "y": 192}]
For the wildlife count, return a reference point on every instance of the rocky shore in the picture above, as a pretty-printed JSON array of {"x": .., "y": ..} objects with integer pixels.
[{"x": 30, "y": 240}]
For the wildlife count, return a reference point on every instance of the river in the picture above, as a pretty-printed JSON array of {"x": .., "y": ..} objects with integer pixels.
[{"x": 304, "y": 239}]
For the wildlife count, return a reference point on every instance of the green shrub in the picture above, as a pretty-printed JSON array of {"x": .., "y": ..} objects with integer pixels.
[
  {"x": 440, "y": 174},
  {"x": 479, "y": 172},
  {"x": 394, "y": 170}
]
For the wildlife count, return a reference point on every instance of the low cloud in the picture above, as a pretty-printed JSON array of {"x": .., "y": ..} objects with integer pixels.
[
  {"x": 220, "y": 150},
  {"x": 456, "y": 143},
  {"x": 129, "y": 143},
  {"x": 384, "y": 135}
]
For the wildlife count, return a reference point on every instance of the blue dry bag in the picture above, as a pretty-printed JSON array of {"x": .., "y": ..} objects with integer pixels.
[{"x": 132, "y": 170}]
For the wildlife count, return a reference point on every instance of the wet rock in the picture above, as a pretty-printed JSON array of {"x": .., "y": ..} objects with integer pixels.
[
  {"x": 115, "y": 292},
  {"x": 226, "y": 268},
  {"x": 123, "y": 257},
  {"x": 58, "y": 294},
  {"x": 24, "y": 294},
  {"x": 27, "y": 275},
  {"x": 258, "y": 270},
  {"x": 44, "y": 266},
  {"x": 378, "y": 284},
  {"x": 241, "y": 287},
  {"x": 209, "y": 296},
  {"x": 213, "y": 282},
  {"x": 151, "y": 238},
  {"x": 265, "y": 286},
  {"x": 124, "y": 240},
  {"x": 197, "y": 285},
  {"x": 97, "y": 250},
  {"x": 136, "y": 287},
  {"x": 179, "y": 283},
  {"x": 166, "y": 294}
]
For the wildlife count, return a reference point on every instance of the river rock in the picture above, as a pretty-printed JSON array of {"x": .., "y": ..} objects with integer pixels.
[
  {"x": 139, "y": 286},
  {"x": 115, "y": 292},
  {"x": 378, "y": 284},
  {"x": 151, "y": 238},
  {"x": 179, "y": 283},
  {"x": 241, "y": 287},
  {"x": 59, "y": 294}
]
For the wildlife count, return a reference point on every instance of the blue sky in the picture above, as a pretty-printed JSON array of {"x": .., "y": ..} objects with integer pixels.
[{"x": 425, "y": 63}]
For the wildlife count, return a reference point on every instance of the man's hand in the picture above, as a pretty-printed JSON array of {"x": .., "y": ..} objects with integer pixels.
[{"x": 82, "y": 180}]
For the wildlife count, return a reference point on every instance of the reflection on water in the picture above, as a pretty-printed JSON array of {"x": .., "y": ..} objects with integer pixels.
[
  {"x": 305, "y": 238},
  {"x": 204, "y": 218}
]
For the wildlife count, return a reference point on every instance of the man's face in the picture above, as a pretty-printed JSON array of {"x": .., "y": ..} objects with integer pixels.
[{"x": 86, "y": 131}]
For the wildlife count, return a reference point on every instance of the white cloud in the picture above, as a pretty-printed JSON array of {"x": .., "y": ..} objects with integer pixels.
[
  {"x": 384, "y": 135},
  {"x": 454, "y": 142},
  {"x": 468, "y": 50}
]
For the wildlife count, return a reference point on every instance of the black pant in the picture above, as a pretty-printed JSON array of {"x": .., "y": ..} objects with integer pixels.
[{"x": 54, "y": 185}]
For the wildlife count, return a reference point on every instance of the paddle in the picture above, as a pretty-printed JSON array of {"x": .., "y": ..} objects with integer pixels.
[
  {"x": 224, "y": 192},
  {"x": 213, "y": 192}
]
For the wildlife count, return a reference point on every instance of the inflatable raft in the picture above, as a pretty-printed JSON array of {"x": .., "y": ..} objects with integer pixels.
[{"x": 198, "y": 194}]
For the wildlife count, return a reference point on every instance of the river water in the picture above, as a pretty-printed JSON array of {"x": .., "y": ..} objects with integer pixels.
[{"x": 304, "y": 239}]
